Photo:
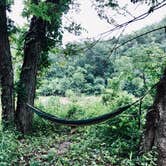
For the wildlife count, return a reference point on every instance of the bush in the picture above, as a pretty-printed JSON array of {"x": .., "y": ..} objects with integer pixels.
[{"x": 8, "y": 148}]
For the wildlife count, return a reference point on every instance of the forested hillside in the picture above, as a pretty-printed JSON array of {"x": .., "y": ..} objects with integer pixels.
[{"x": 132, "y": 67}]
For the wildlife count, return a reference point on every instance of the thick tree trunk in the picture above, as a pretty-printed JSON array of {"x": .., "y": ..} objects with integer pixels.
[
  {"x": 155, "y": 133},
  {"x": 26, "y": 90},
  {"x": 33, "y": 47},
  {"x": 6, "y": 70},
  {"x": 160, "y": 107},
  {"x": 149, "y": 137}
]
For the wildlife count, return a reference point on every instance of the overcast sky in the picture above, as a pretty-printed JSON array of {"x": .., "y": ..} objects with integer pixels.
[{"x": 89, "y": 19}]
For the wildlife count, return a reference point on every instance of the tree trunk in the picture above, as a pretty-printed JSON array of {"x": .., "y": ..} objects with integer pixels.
[
  {"x": 155, "y": 133},
  {"x": 27, "y": 85},
  {"x": 160, "y": 107},
  {"x": 34, "y": 45},
  {"x": 149, "y": 136},
  {"x": 6, "y": 70}
]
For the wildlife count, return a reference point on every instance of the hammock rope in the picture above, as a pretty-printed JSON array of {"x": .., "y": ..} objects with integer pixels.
[{"x": 85, "y": 122}]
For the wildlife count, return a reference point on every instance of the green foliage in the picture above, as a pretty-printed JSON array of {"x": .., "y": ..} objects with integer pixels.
[
  {"x": 120, "y": 134},
  {"x": 134, "y": 67},
  {"x": 50, "y": 12},
  {"x": 81, "y": 73},
  {"x": 74, "y": 28},
  {"x": 8, "y": 147},
  {"x": 6, "y": 3},
  {"x": 40, "y": 10},
  {"x": 143, "y": 69},
  {"x": 121, "y": 79},
  {"x": 114, "y": 142}
]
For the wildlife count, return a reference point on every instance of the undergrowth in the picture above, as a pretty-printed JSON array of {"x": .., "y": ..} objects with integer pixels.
[{"x": 113, "y": 143}]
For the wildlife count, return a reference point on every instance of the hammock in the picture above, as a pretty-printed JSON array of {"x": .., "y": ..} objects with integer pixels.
[{"x": 83, "y": 122}]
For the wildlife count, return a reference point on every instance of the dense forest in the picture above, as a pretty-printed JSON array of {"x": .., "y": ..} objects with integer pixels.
[
  {"x": 95, "y": 102},
  {"x": 133, "y": 67}
]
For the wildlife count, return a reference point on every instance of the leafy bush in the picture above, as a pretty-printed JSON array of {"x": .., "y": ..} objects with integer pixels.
[{"x": 9, "y": 151}]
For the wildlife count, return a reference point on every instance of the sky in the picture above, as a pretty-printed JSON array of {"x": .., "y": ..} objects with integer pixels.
[{"x": 88, "y": 18}]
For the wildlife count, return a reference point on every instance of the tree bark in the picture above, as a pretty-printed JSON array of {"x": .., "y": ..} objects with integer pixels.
[
  {"x": 160, "y": 107},
  {"x": 155, "y": 133},
  {"x": 149, "y": 137},
  {"x": 27, "y": 85},
  {"x": 6, "y": 70},
  {"x": 33, "y": 47}
]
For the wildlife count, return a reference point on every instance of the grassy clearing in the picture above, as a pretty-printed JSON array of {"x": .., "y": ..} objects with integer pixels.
[
  {"x": 113, "y": 143},
  {"x": 78, "y": 107}
]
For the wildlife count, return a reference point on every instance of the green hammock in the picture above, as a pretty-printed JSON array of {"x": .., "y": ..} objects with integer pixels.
[
  {"x": 82, "y": 122},
  {"x": 85, "y": 122}
]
